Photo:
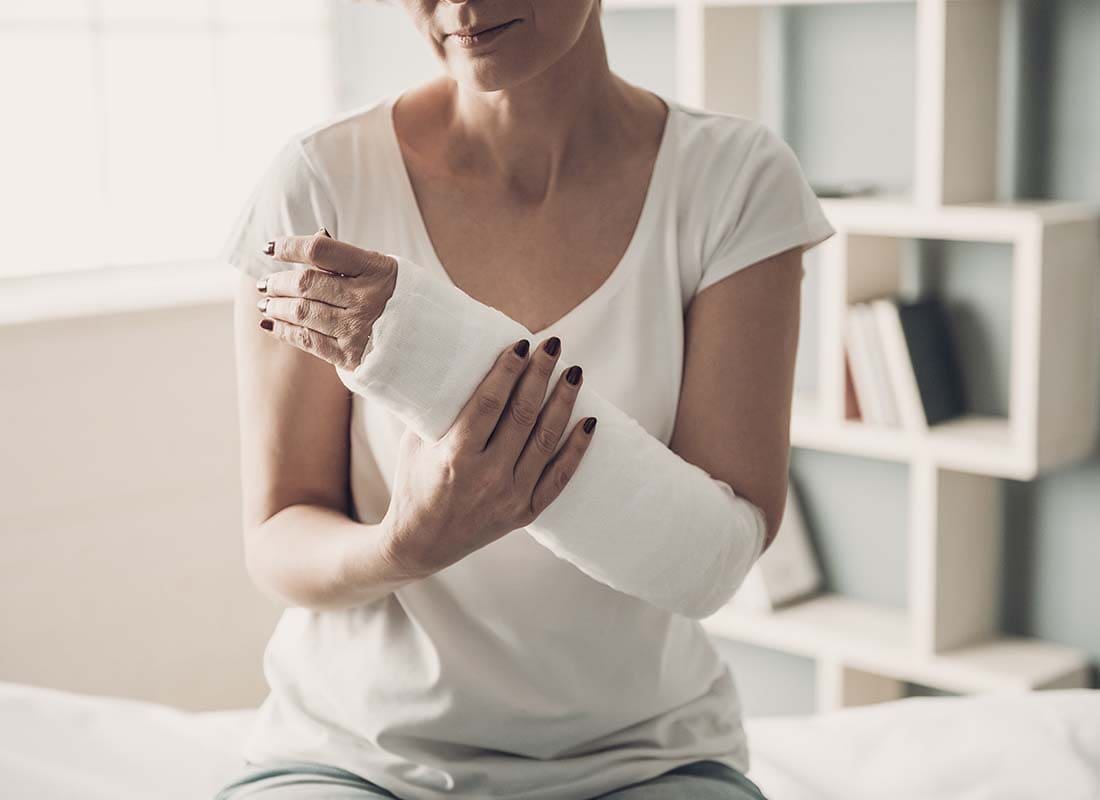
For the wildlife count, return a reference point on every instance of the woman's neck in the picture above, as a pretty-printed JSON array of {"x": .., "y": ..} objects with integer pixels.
[{"x": 553, "y": 124}]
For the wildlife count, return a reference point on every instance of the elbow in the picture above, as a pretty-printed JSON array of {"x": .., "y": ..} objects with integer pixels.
[
  {"x": 257, "y": 567},
  {"x": 287, "y": 591},
  {"x": 745, "y": 542},
  {"x": 271, "y": 578}
]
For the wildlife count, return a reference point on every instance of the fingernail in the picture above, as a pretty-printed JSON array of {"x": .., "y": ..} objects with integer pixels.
[
  {"x": 262, "y": 304},
  {"x": 261, "y": 285},
  {"x": 573, "y": 375},
  {"x": 553, "y": 344},
  {"x": 590, "y": 425},
  {"x": 269, "y": 249},
  {"x": 267, "y": 324},
  {"x": 324, "y": 230},
  {"x": 521, "y": 347}
]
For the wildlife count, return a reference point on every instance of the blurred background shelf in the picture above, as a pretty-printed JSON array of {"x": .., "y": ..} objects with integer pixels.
[
  {"x": 935, "y": 187},
  {"x": 1010, "y": 221},
  {"x": 878, "y": 640},
  {"x": 973, "y": 443},
  {"x": 828, "y": 625}
]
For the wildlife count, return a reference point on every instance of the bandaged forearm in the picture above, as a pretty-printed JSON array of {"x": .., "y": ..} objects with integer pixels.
[{"x": 634, "y": 515}]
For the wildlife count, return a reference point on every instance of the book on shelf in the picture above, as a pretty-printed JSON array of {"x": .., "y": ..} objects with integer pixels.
[
  {"x": 934, "y": 357},
  {"x": 851, "y": 401},
  {"x": 857, "y": 343},
  {"x": 787, "y": 571},
  {"x": 900, "y": 364},
  {"x": 903, "y": 363},
  {"x": 880, "y": 374}
]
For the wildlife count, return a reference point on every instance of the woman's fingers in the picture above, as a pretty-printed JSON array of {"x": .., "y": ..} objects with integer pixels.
[
  {"x": 548, "y": 429},
  {"x": 523, "y": 408},
  {"x": 313, "y": 314},
  {"x": 559, "y": 471},
  {"x": 329, "y": 254},
  {"x": 479, "y": 416},
  {"x": 312, "y": 284},
  {"x": 311, "y": 341}
]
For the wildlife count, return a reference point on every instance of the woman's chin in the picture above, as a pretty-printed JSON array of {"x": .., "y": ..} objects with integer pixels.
[{"x": 501, "y": 68}]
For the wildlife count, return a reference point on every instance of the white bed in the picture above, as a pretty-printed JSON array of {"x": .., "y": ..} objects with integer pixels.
[{"x": 57, "y": 745}]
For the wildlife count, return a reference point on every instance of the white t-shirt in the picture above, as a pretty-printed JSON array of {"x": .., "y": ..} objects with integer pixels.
[{"x": 511, "y": 673}]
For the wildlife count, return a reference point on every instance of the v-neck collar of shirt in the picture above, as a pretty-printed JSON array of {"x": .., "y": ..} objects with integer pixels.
[{"x": 650, "y": 204}]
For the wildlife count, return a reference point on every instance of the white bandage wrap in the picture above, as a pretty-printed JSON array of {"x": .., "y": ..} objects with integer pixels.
[{"x": 635, "y": 515}]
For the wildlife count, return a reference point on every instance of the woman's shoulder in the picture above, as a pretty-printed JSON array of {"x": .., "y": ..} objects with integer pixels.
[
  {"x": 727, "y": 160},
  {"x": 714, "y": 144},
  {"x": 741, "y": 195},
  {"x": 361, "y": 123},
  {"x": 709, "y": 122},
  {"x": 336, "y": 153}
]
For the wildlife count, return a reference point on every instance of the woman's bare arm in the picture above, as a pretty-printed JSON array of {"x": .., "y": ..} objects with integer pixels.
[
  {"x": 741, "y": 338},
  {"x": 302, "y": 543}
]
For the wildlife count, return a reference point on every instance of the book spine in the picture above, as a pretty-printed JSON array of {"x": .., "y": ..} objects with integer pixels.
[
  {"x": 900, "y": 365},
  {"x": 861, "y": 366},
  {"x": 880, "y": 371}
]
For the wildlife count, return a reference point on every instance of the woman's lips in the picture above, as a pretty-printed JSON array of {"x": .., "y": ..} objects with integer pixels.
[{"x": 482, "y": 37}]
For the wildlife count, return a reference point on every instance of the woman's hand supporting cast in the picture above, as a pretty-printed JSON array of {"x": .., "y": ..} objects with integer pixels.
[
  {"x": 497, "y": 467},
  {"x": 494, "y": 470}
]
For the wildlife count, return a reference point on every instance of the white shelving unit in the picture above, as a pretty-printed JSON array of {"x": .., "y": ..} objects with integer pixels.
[{"x": 947, "y": 636}]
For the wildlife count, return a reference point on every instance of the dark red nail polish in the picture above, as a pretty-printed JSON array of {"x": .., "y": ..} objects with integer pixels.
[
  {"x": 267, "y": 324},
  {"x": 553, "y": 344},
  {"x": 573, "y": 375},
  {"x": 521, "y": 347},
  {"x": 269, "y": 250},
  {"x": 590, "y": 425}
]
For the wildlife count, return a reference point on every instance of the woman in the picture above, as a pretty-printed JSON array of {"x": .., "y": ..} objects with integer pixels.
[{"x": 436, "y": 650}]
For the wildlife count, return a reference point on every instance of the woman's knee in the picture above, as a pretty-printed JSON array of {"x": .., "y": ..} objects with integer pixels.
[{"x": 699, "y": 780}]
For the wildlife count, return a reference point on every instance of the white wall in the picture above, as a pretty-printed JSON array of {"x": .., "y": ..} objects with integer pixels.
[{"x": 120, "y": 510}]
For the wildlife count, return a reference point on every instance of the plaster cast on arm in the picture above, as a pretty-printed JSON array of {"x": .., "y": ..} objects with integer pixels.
[{"x": 635, "y": 515}]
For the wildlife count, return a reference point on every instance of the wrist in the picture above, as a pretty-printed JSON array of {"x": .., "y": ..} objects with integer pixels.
[
  {"x": 387, "y": 285},
  {"x": 367, "y": 563},
  {"x": 393, "y": 552}
]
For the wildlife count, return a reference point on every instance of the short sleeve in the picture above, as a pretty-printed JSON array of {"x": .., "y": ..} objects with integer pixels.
[
  {"x": 289, "y": 199},
  {"x": 764, "y": 207}
]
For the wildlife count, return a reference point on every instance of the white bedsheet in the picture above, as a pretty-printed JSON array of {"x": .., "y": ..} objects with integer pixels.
[{"x": 58, "y": 745}]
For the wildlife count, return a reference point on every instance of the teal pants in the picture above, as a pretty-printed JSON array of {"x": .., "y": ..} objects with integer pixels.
[{"x": 299, "y": 780}]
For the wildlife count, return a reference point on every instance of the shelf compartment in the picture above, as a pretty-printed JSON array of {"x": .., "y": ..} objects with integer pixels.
[
  {"x": 830, "y": 625},
  {"x": 1053, "y": 389},
  {"x": 732, "y": 58},
  {"x": 849, "y": 437},
  {"x": 977, "y": 443},
  {"x": 751, "y": 59}
]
